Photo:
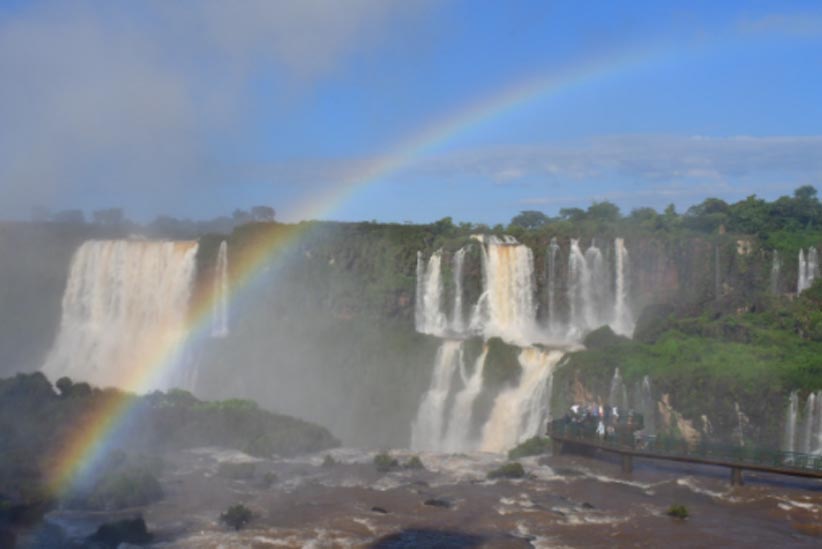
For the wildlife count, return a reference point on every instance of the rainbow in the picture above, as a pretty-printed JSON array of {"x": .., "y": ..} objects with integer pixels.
[{"x": 88, "y": 441}]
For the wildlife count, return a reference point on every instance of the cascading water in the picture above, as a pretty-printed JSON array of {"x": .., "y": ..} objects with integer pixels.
[
  {"x": 219, "y": 319},
  {"x": 789, "y": 442},
  {"x": 776, "y": 267},
  {"x": 428, "y": 428},
  {"x": 646, "y": 405},
  {"x": 520, "y": 412},
  {"x": 429, "y": 318},
  {"x": 808, "y": 434},
  {"x": 618, "y": 394},
  {"x": 457, "y": 314},
  {"x": 509, "y": 268},
  {"x": 808, "y": 269},
  {"x": 553, "y": 320},
  {"x": 623, "y": 322},
  {"x": 124, "y": 303},
  {"x": 458, "y": 436}
]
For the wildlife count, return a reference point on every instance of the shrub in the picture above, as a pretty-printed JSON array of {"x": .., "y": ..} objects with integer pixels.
[
  {"x": 237, "y": 516},
  {"x": 268, "y": 479},
  {"x": 129, "y": 487},
  {"x": 329, "y": 461},
  {"x": 531, "y": 447},
  {"x": 414, "y": 463},
  {"x": 678, "y": 511},
  {"x": 509, "y": 470},
  {"x": 384, "y": 462},
  {"x": 126, "y": 531}
]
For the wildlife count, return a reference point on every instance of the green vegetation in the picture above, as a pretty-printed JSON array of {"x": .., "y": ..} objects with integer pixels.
[
  {"x": 237, "y": 516},
  {"x": 532, "y": 447},
  {"x": 329, "y": 461},
  {"x": 125, "y": 532},
  {"x": 513, "y": 469},
  {"x": 414, "y": 463},
  {"x": 384, "y": 462},
  {"x": 678, "y": 511}
]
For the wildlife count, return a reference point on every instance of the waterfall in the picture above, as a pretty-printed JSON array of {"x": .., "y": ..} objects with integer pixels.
[
  {"x": 457, "y": 315},
  {"x": 595, "y": 294},
  {"x": 648, "y": 406},
  {"x": 816, "y": 431},
  {"x": 623, "y": 322},
  {"x": 458, "y": 436},
  {"x": 124, "y": 308},
  {"x": 519, "y": 412},
  {"x": 617, "y": 396},
  {"x": 553, "y": 321},
  {"x": 808, "y": 269},
  {"x": 219, "y": 318},
  {"x": 578, "y": 283},
  {"x": 429, "y": 318},
  {"x": 810, "y": 414},
  {"x": 776, "y": 266},
  {"x": 509, "y": 289},
  {"x": 428, "y": 427},
  {"x": 789, "y": 443}
]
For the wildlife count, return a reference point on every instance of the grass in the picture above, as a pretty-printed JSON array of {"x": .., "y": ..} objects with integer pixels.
[{"x": 513, "y": 469}]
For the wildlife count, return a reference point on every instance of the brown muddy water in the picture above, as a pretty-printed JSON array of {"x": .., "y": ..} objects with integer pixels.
[{"x": 566, "y": 501}]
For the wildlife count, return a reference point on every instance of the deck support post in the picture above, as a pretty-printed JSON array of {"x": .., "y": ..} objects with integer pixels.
[
  {"x": 736, "y": 476},
  {"x": 556, "y": 447},
  {"x": 627, "y": 463}
]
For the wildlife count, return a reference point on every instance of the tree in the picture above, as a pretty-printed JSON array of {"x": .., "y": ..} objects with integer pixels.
[
  {"x": 603, "y": 211},
  {"x": 572, "y": 214},
  {"x": 74, "y": 217},
  {"x": 262, "y": 213},
  {"x": 241, "y": 217},
  {"x": 64, "y": 385},
  {"x": 530, "y": 219},
  {"x": 237, "y": 516},
  {"x": 805, "y": 192},
  {"x": 110, "y": 216}
]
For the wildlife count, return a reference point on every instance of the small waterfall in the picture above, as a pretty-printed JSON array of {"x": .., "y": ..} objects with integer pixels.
[
  {"x": 810, "y": 415},
  {"x": 617, "y": 396},
  {"x": 578, "y": 283},
  {"x": 509, "y": 290},
  {"x": 594, "y": 295},
  {"x": 647, "y": 406},
  {"x": 428, "y": 428},
  {"x": 519, "y": 412},
  {"x": 458, "y": 436},
  {"x": 789, "y": 443},
  {"x": 776, "y": 266},
  {"x": 553, "y": 321},
  {"x": 124, "y": 309},
  {"x": 808, "y": 269},
  {"x": 623, "y": 322},
  {"x": 429, "y": 318},
  {"x": 816, "y": 430},
  {"x": 457, "y": 314},
  {"x": 219, "y": 318}
]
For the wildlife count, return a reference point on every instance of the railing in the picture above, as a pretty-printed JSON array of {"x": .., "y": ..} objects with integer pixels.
[{"x": 664, "y": 446}]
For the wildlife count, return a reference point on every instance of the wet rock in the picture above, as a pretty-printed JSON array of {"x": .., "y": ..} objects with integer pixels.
[
  {"x": 586, "y": 505},
  {"x": 435, "y": 502},
  {"x": 379, "y": 510},
  {"x": 112, "y": 534}
]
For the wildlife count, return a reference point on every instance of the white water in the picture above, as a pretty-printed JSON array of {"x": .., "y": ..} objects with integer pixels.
[
  {"x": 124, "y": 310},
  {"x": 618, "y": 394},
  {"x": 458, "y": 436},
  {"x": 623, "y": 322},
  {"x": 647, "y": 406},
  {"x": 808, "y": 269},
  {"x": 510, "y": 291},
  {"x": 219, "y": 318},
  {"x": 457, "y": 314},
  {"x": 553, "y": 319},
  {"x": 430, "y": 318},
  {"x": 789, "y": 443},
  {"x": 776, "y": 267},
  {"x": 428, "y": 428},
  {"x": 520, "y": 412}
]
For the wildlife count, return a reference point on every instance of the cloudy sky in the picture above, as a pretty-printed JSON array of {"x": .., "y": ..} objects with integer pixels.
[{"x": 397, "y": 110}]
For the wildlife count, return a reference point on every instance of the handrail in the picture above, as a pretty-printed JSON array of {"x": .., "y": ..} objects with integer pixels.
[{"x": 665, "y": 446}]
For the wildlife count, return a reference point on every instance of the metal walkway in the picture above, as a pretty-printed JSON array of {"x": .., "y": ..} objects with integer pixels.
[{"x": 568, "y": 434}]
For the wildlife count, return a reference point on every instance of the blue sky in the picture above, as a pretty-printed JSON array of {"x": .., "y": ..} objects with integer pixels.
[{"x": 196, "y": 108}]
